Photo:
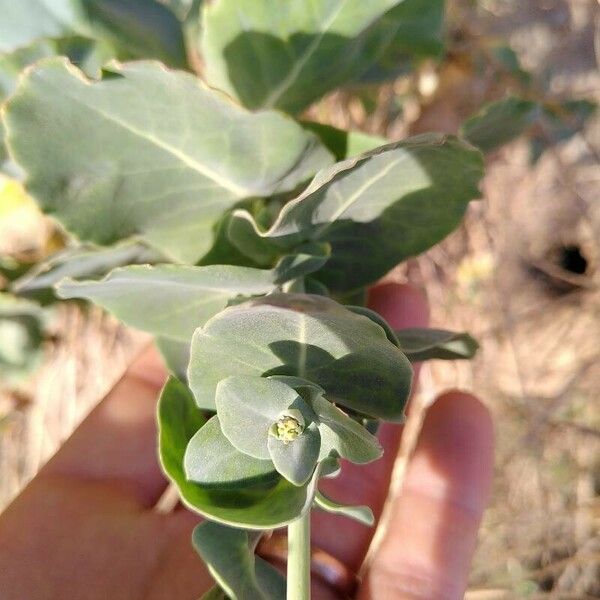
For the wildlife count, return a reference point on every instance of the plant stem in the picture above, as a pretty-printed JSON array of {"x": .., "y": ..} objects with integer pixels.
[{"x": 298, "y": 564}]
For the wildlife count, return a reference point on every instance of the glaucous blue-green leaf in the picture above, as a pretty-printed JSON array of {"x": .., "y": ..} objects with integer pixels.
[
  {"x": 211, "y": 460},
  {"x": 262, "y": 506},
  {"x": 305, "y": 336},
  {"x": 21, "y": 336},
  {"x": 89, "y": 54},
  {"x": 416, "y": 28},
  {"x": 344, "y": 144},
  {"x": 175, "y": 354},
  {"x": 24, "y": 21},
  {"x": 296, "y": 460},
  {"x": 82, "y": 261},
  {"x": 500, "y": 122},
  {"x": 382, "y": 207},
  {"x": 229, "y": 555},
  {"x": 169, "y": 300},
  {"x": 249, "y": 406},
  {"x": 305, "y": 260},
  {"x": 148, "y": 152},
  {"x": 362, "y": 514},
  {"x": 290, "y": 56},
  {"x": 139, "y": 29},
  {"x": 224, "y": 252},
  {"x": 344, "y": 435},
  {"x": 428, "y": 344},
  {"x": 376, "y": 318}
]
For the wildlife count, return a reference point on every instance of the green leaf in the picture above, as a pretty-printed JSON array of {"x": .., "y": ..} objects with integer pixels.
[
  {"x": 500, "y": 122},
  {"x": 139, "y": 28},
  {"x": 169, "y": 300},
  {"x": 381, "y": 207},
  {"x": 114, "y": 153},
  {"x": 344, "y": 144},
  {"x": 25, "y": 21},
  {"x": 254, "y": 507},
  {"x": 87, "y": 53},
  {"x": 376, "y": 318},
  {"x": 296, "y": 460},
  {"x": 311, "y": 337},
  {"x": 417, "y": 28},
  {"x": 248, "y": 407},
  {"x": 81, "y": 261},
  {"x": 289, "y": 57},
  {"x": 305, "y": 260},
  {"x": 344, "y": 435},
  {"x": 362, "y": 514},
  {"x": 176, "y": 355},
  {"x": 428, "y": 344},
  {"x": 211, "y": 460},
  {"x": 230, "y": 558},
  {"x": 21, "y": 336}
]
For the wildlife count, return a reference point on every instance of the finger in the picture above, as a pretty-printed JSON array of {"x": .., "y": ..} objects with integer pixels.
[
  {"x": 117, "y": 442},
  {"x": 402, "y": 306},
  {"x": 431, "y": 537}
]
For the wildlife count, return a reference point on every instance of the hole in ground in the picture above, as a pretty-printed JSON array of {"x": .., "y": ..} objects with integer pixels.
[{"x": 571, "y": 259}]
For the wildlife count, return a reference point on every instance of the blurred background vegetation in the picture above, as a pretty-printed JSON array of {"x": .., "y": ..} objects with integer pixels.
[{"x": 521, "y": 275}]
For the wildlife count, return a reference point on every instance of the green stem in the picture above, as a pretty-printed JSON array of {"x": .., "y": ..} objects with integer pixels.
[{"x": 298, "y": 564}]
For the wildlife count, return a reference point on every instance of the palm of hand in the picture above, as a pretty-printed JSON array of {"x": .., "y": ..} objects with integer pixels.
[{"x": 85, "y": 528}]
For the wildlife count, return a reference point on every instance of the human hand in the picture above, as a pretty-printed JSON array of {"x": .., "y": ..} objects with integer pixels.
[{"x": 85, "y": 528}]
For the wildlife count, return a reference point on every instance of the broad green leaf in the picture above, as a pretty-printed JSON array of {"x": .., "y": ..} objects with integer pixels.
[
  {"x": 381, "y": 207},
  {"x": 229, "y": 556},
  {"x": 116, "y": 152},
  {"x": 25, "y": 21},
  {"x": 21, "y": 336},
  {"x": 139, "y": 28},
  {"x": 305, "y": 260},
  {"x": 87, "y": 53},
  {"x": 416, "y": 28},
  {"x": 82, "y": 261},
  {"x": 344, "y": 435},
  {"x": 305, "y": 336},
  {"x": 500, "y": 122},
  {"x": 254, "y": 507},
  {"x": 248, "y": 407},
  {"x": 376, "y": 318},
  {"x": 362, "y": 514},
  {"x": 344, "y": 144},
  {"x": 176, "y": 355},
  {"x": 169, "y": 300},
  {"x": 428, "y": 344},
  {"x": 224, "y": 252},
  {"x": 211, "y": 460},
  {"x": 289, "y": 56},
  {"x": 296, "y": 460}
]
